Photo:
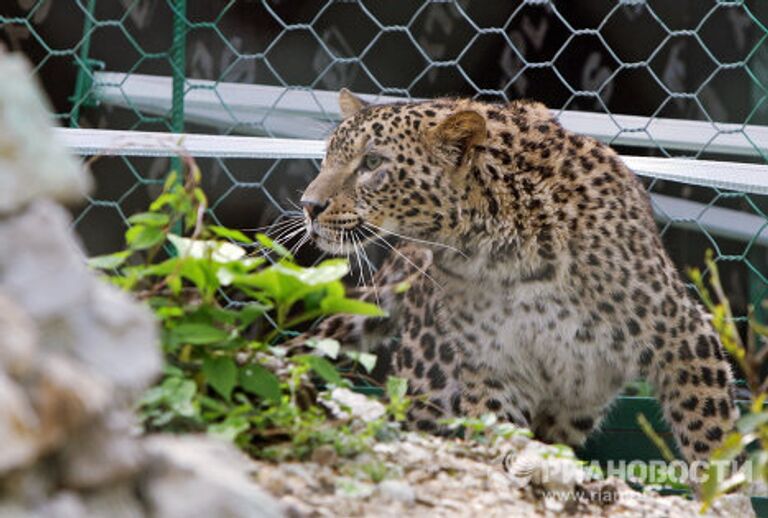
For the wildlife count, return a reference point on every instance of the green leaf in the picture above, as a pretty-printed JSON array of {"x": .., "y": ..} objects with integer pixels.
[
  {"x": 160, "y": 269},
  {"x": 170, "y": 180},
  {"x": 221, "y": 374},
  {"x": 229, "y": 233},
  {"x": 274, "y": 245},
  {"x": 169, "y": 312},
  {"x": 194, "y": 272},
  {"x": 178, "y": 393},
  {"x": 751, "y": 422},
  {"x": 396, "y": 388},
  {"x": 402, "y": 287},
  {"x": 367, "y": 360},
  {"x": 328, "y": 346},
  {"x": 141, "y": 237},
  {"x": 197, "y": 334},
  {"x": 258, "y": 380},
  {"x": 155, "y": 219},
  {"x": 250, "y": 312},
  {"x": 322, "y": 368},
  {"x": 230, "y": 428},
  {"x": 351, "y": 306},
  {"x": 267, "y": 280},
  {"x": 327, "y": 271},
  {"x": 161, "y": 201},
  {"x": 109, "y": 262},
  {"x": 201, "y": 273}
]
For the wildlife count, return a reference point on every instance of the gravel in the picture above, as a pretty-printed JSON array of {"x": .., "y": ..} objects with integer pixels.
[{"x": 433, "y": 476}]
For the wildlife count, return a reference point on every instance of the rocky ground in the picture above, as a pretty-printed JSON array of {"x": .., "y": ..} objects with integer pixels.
[{"x": 431, "y": 476}]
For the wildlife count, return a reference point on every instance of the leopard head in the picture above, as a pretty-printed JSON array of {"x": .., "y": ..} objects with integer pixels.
[{"x": 392, "y": 169}]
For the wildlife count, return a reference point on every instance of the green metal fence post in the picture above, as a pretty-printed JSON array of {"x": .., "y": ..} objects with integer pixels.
[
  {"x": 178, "y": 63},
  {"x": 84, "y": 72}
]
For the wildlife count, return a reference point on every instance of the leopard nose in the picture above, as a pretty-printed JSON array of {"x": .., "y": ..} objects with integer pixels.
[{"x": 314, "y": 208}]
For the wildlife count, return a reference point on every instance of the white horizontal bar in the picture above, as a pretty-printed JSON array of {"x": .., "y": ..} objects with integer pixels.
[
  {"x": 717, "y": 221},
  {"x": 93, "y": 142},
  {"x": 684, "y": 213},
  {"x": 256, "y": 109},
  {"x": 670, "y": 134},
  {"x": 735, "y": 176},
  {"x": 730, "y": 176}
]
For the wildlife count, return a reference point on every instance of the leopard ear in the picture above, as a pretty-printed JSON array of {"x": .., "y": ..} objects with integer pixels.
[
  {"x": 349, "y": 103},
  {"x": 455, "y": 137}
]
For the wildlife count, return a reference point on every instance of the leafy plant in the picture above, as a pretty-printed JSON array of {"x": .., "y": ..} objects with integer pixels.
[
  {"x": 749, "y": 440},
  {"x": 225, "y": 301}
]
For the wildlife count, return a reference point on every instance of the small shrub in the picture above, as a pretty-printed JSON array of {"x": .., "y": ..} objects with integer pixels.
[{"x": 224, "y": 302}]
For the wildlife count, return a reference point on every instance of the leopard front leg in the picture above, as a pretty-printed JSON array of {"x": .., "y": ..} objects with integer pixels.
[{"x": 484, "y": 392}]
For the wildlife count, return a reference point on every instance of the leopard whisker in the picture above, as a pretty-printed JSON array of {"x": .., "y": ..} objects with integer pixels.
[
  {"x": 301, "y": 243},
  {"x": 287, "y": 236},
  {"x": 361, "y": 277},
  {"x": 320, "y": 258},
  {"x": 288, "y": 220},
  {"x": 361, "y": 239},
  {"x": 398, "y": 252},
  {"x": 417, "y": 240},
  {"x": 287, "y": 230},
  {"x": 371, "y": 267}
]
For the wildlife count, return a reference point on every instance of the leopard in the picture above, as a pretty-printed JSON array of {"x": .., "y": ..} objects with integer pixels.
[{"x": 524, "y": 276}]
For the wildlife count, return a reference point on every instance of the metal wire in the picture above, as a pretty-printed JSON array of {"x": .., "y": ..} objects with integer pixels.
[{"x": 175, "y": 66}]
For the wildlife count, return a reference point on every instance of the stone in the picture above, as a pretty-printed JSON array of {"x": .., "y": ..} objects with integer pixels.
[
  {"x": 18, "y": 341},
  {"x": 114, "y": 502},
  {"x": 733, "y": 505},
  {"x": 200, "y": 476},
  {"x": 345, "y": 404},
  {"x": 65, "y": 504},
  {"x": 398, "y": 491},
  {"x": 324, "y": 455},
  {"x": 65, "y": 396},
  {"x": 17, "y": 424},
  {"x": 37, "y": 416},
  {"x": 75, "y": 312},
  {"x": 33, "y": 163},
  {"x": 104, "y": 454}
]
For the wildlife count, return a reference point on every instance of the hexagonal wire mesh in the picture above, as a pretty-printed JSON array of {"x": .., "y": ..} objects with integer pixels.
[{"x": 669, "y": 79}]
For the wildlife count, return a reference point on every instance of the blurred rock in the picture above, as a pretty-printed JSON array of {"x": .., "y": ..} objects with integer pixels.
[
  {"x": 197, "y": 476},
  {"x": 17, "y": 422},
  {"x": 18, "y": 341},
  {"x": 75, "y": 355},
  {"x": 398, "y": 490},
  {"x": 33, "y": 164},
  {"x": 75, "y": 313},
  {"x": 103, "y": 454}
]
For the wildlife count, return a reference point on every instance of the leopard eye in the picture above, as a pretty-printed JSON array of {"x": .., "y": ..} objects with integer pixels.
[{"x": 371, "y": 162}]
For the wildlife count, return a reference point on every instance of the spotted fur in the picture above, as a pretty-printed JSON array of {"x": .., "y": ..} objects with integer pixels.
[{"x": 550, "y": 288}]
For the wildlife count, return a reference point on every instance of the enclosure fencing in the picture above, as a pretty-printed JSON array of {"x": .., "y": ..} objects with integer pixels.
[{"x": 679, "y": 88}]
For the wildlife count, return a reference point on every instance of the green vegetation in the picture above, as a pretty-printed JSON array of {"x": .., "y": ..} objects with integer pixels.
[{"x": 225, "y": 303}]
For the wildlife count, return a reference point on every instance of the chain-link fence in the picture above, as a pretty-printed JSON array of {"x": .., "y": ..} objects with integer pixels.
[{"x": 685, "y": 78}]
